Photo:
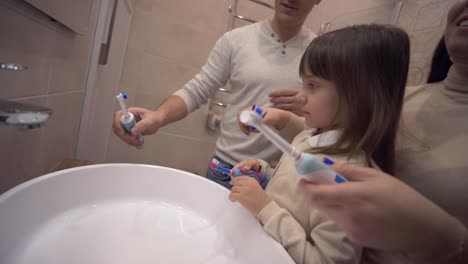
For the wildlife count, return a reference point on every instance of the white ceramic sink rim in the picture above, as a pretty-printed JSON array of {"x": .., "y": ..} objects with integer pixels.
[{"x": 209, "y": 214}]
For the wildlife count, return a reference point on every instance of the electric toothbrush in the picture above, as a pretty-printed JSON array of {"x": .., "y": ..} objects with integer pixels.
[
  {"x": 307, "y": 165},
  {"x": 127, "y": 120},
  {"x": 262, "y": 179}
]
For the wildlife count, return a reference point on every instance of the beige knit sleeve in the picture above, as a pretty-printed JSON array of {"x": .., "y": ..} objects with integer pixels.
[
  {"x": 295, "y": 126},
  {"x": 266, "y": 168},
  {"x": 327, "y": 244}
]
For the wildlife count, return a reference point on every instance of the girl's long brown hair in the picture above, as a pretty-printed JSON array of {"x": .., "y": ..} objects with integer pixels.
[{"x": 369, "y": 66}]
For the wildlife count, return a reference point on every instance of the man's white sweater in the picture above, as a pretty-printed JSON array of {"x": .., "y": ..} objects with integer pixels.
[{"x": 255, "y": 62}]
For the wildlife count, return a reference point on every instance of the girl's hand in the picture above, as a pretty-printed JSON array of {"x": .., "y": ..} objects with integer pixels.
[
  {"x": 274, "y": 117},
  {"x": 249, "y": 193},
  {"x": 250, "y": 164},
  {"x": 376, "y": 210}
]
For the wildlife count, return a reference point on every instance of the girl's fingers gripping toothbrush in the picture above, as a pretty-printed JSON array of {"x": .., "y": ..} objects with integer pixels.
[
  {"x": 127, "y": 120},
  {"x": 307, "y": 165},
  {"x": 236, "y": 172}
]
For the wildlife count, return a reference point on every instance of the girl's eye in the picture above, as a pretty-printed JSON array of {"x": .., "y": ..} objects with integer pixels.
[{"x": 312, "y": 85}]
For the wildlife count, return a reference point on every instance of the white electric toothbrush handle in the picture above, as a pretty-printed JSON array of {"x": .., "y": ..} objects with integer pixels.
[
  {"x": 253, "y": 119},
  {"x": 282, "y": 144},
  {"x": 127, "y": 120},
  {"x": 307, "y": 165}
]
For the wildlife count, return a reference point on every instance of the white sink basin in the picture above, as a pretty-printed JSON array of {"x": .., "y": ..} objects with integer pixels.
[{"x": 128, "y": 213}]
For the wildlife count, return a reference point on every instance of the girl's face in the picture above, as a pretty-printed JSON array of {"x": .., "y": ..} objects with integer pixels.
[{"x": 321, "y": 107}]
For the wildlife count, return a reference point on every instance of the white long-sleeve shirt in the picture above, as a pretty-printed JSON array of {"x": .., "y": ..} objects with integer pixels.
[{"x": 255, "y": 62}]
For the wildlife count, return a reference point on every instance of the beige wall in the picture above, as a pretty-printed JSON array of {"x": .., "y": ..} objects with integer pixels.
[
  {"x": 330, "y": 10},
  {"x": 425, "y": 21},
  {"x": 58, "y": 62}
]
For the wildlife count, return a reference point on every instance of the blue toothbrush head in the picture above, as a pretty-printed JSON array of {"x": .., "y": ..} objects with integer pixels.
[
  {"x": 259, "y": 111},
  {"x": 124, "y": 95}
]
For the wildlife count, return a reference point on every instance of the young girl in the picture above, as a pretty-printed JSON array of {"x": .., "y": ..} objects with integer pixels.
[{"x": 354, "y": 81}]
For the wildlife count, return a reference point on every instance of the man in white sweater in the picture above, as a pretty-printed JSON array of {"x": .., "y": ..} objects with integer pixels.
[{"x": 261, "y": 63}]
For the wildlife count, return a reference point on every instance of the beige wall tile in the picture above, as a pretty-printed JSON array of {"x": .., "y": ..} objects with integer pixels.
[
  {"x": 206, "y": 16},
  {"x": 74, "y": 14},
  {"x": 120, "y": 152},
  {"x": 193, "y": 126},
  {"x": 253, "y": 11},
  {"x": 145, "y": 5},
  {"x": 59, "y": 135},
  {"x": 31, "y": 82},
  {"x": 131, "y": 73},
  {"x": 179, "y": 42},
  {"x": 329, "y": 10},
  {"x": 71, "y": 58},
  {"x": 18, "y": 149},
  {"x": 69, "y": 63},
  {"x": 140, "y": 38},
  {"x": 431, "y": 16},
  {"x": 27, "y": 154},
  {"x": 161, "y": 76},
  {"x": 425, "y": 21},
  {"x": 164, "y": 150},
  {"x": 24, "y": 41},
  {"x": 58, "y": 60}
]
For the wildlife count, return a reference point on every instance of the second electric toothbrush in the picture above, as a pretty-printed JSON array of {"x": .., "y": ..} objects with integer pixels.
[
  {"x": 127, "y": 120},
  {"x": 307, "y": 165}
]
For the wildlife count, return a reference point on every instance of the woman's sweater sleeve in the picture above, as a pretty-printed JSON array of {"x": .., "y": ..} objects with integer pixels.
[
  {"x": 325, "y": 244},
  {"x": 266, "y": 168}
]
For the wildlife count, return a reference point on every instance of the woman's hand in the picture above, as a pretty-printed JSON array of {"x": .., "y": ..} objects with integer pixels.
[
  {"x": 248, "y": 192},
  {"x": 378, "y": 211},
  {"x": 288, "y": 99},
  {"x": 276, "y": 118}
]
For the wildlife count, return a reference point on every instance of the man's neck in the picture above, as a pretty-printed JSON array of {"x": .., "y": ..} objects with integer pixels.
[{"x": 285, "y": 31}]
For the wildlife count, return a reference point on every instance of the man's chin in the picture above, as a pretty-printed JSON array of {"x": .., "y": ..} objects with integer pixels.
[{"x": 286, "y": 18}]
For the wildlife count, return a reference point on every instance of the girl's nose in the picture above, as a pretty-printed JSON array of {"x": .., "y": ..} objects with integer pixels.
[{"x": 302, "y": 98}]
